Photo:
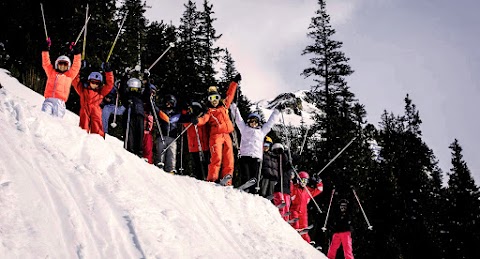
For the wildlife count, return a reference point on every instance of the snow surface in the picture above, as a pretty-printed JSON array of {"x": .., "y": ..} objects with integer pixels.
[{"x": 67, "y": 194}]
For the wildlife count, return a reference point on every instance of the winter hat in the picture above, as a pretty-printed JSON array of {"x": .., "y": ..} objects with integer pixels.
[
  {"x": 268, "y": 139},
  {"x": 170, "y": 99},
  {"x": 212, "y": 90},
  {"x": 253, "y": 116}
]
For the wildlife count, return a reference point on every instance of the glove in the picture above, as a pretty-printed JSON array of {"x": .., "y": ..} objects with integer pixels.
[
  {"x": 146, "y": 74},
  {"x": 194, "y": 120},
  {"x": 47, "y": 44},
  {"x": 280, "y": 106},
  {"x": 75, "y": 49},
  {"x": 107, "y": 67},
  {"x": 84, "y": 65},
  {"x": 237, "y": 78}
]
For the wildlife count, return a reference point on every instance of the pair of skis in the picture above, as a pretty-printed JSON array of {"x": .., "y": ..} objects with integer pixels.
[{"x": 243, "y": 187}]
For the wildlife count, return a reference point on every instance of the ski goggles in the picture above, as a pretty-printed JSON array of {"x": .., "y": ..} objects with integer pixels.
[
  {"x": 134, "y": 89},
  {"x": 304, "y": 181},
  {"x": 214, "y": 97},
  {"x": 95, "y": 82},
  {"x": 255, "y": 120},
  {"x": 267, "y": 144},
  {"x": 62, "y": 63}
]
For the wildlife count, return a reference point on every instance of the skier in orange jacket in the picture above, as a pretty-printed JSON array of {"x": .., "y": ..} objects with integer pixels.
[
  {"x": 59, "y": 79},
  {"x": 91, "y": 95},
  {"x": 221, "y": 148}
]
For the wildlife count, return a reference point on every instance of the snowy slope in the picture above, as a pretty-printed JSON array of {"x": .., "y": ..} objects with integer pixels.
[{"x": 67, "y": 194}]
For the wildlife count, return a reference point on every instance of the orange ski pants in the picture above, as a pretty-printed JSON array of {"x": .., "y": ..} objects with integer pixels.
[{"x": 221, "y": 155}]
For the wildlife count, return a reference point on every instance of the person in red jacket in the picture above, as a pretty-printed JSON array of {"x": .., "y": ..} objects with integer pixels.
[
  {"x": 300, "y": 198},
  {"x": 59, "y": 80},
  {"x": 197, "y": 138},
  {"x": 91, "y": 95},
  {"x": 220, "y": 143}
]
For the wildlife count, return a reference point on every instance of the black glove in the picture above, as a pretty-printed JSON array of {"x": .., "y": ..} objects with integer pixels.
[
  {"x": 194, "y": 120},
  {"x": 47, "y": 44},
  {"x": 280, "y": 106},
  {"x": 75, "y": 49},
  {"x": 107, "y": 67},
  {"x": 237, "y": 78},
  {"x": 146, "y": 74}
]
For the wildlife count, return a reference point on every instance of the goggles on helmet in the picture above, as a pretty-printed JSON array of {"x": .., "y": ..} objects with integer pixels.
[{"x": 214, "y": 97}]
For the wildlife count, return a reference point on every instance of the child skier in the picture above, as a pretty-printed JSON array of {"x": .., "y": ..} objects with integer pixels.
[
  {"x": 169, "y": 118},
  {"x": 300, "y": 198},
  {"x": 220, "y": 143},
  {"x": 281, "y": 191},
  {"x": 91, "y": 95},
  {"x": 131, "y": 93},
  {"x": 110, "y": 105},
  {"x": 251, "y": 144},
  {"x": 59, "y": 80},
  {"x": 342, "y": 228},
  {"x": 197, "y": 138}
]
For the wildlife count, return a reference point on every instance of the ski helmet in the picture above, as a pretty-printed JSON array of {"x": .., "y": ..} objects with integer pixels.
[
  {"x": 95, "y": 76},
  {"x": 61, "y": 59},
  {"x": 278, "y": 148},
  {"x": 196, "y": 108},
  {"x": 268, "y": 139},
  {"x": 134, "y": 85},
  {"x": 253, "y": 117},
  {"x": 171, "y": 99},
  {"x": 343, "y": 202},
  {"x": 303, "y": 175}
]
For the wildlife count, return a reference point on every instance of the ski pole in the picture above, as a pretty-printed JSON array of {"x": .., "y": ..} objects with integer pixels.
[
  {"x": 328, "y": 211},
  {"x": 364, "y": 215},
  {"x": 44, "y": 25},
  {"x": 85, "y": 35},
  {"x": 181, "y": 156},
  {"x": 116, "y": 37},
  {"x": 257, "y": 188},
  {"x": 200, "y": 153},
  {"x": 281, "y": 178},
  {"x": 294, "y": 169},
  {"x": 170, "y": 45},
  {"x": 128, "y": 124},
  {"x": 83, "y": 28},
  {"x": 114, "y": 124},
  {"x": 335, "y": 157},
  {"x": 156, "y": 120},
  {"x": 303, "y": 143},
  {"x": 186, "y": 128}
]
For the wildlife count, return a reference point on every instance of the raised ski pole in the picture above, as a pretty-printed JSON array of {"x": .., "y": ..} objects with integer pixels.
[
  {"x": 304, "y": 140},
  {"x": 170, "y": 45},
  {"x": 43, "y": 18},
  {"x": 200, "y": 153},
  {"x": 83, "y": 28},
  {"x": 294, "y": 169},
  {"x": 85, "y": 35},
  {"x": 183, "y": 131},
  {"x": 116, "y": 37},
  {"x": 156, "y": 119},
  {"x": 328, "y": 211},
  {"x": 281, "y": 182},
  {"x": 335, "y": 157},
  {"x": 370, "y": 227}
]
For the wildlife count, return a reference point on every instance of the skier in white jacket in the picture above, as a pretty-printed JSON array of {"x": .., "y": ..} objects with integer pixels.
[{"x": 251, "y": 145}]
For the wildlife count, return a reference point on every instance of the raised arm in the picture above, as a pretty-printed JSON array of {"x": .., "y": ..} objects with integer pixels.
[
  {"x": 238, "y": 117},
  {"x": 109, "y": 81},
  {"x": 271, "y": 121}
]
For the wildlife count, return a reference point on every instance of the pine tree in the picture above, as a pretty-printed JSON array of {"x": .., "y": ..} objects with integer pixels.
[{"x": 463, "y": 211}]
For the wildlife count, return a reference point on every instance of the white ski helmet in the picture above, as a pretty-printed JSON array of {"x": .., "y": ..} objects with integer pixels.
[
  {"x": 278, "y": 148},
  {"x": 134, "y": 85},
  {"x": 64, "y": 59}
]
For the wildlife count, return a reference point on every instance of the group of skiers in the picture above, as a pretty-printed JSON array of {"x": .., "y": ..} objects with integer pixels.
[{"x": 208, "y": 132}]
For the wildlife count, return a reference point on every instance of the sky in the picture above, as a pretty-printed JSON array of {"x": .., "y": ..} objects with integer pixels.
[
  {"x": 68, "y": 194},
  {"x": 427, "y": 49}
]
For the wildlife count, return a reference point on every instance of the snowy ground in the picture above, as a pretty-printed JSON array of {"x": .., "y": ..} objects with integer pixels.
[{"x": 67, "y": 194}]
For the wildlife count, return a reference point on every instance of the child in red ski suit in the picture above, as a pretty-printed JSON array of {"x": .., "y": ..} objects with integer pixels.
[
  {"x": 197, "y": 138},
  {"x": 221, "y": 148},
  {"x": 300, "y": 198},
  {"x": 342, "y": 228},
  {"x": 91, "y": 95},
  {"x": 59, "y": 80}
]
